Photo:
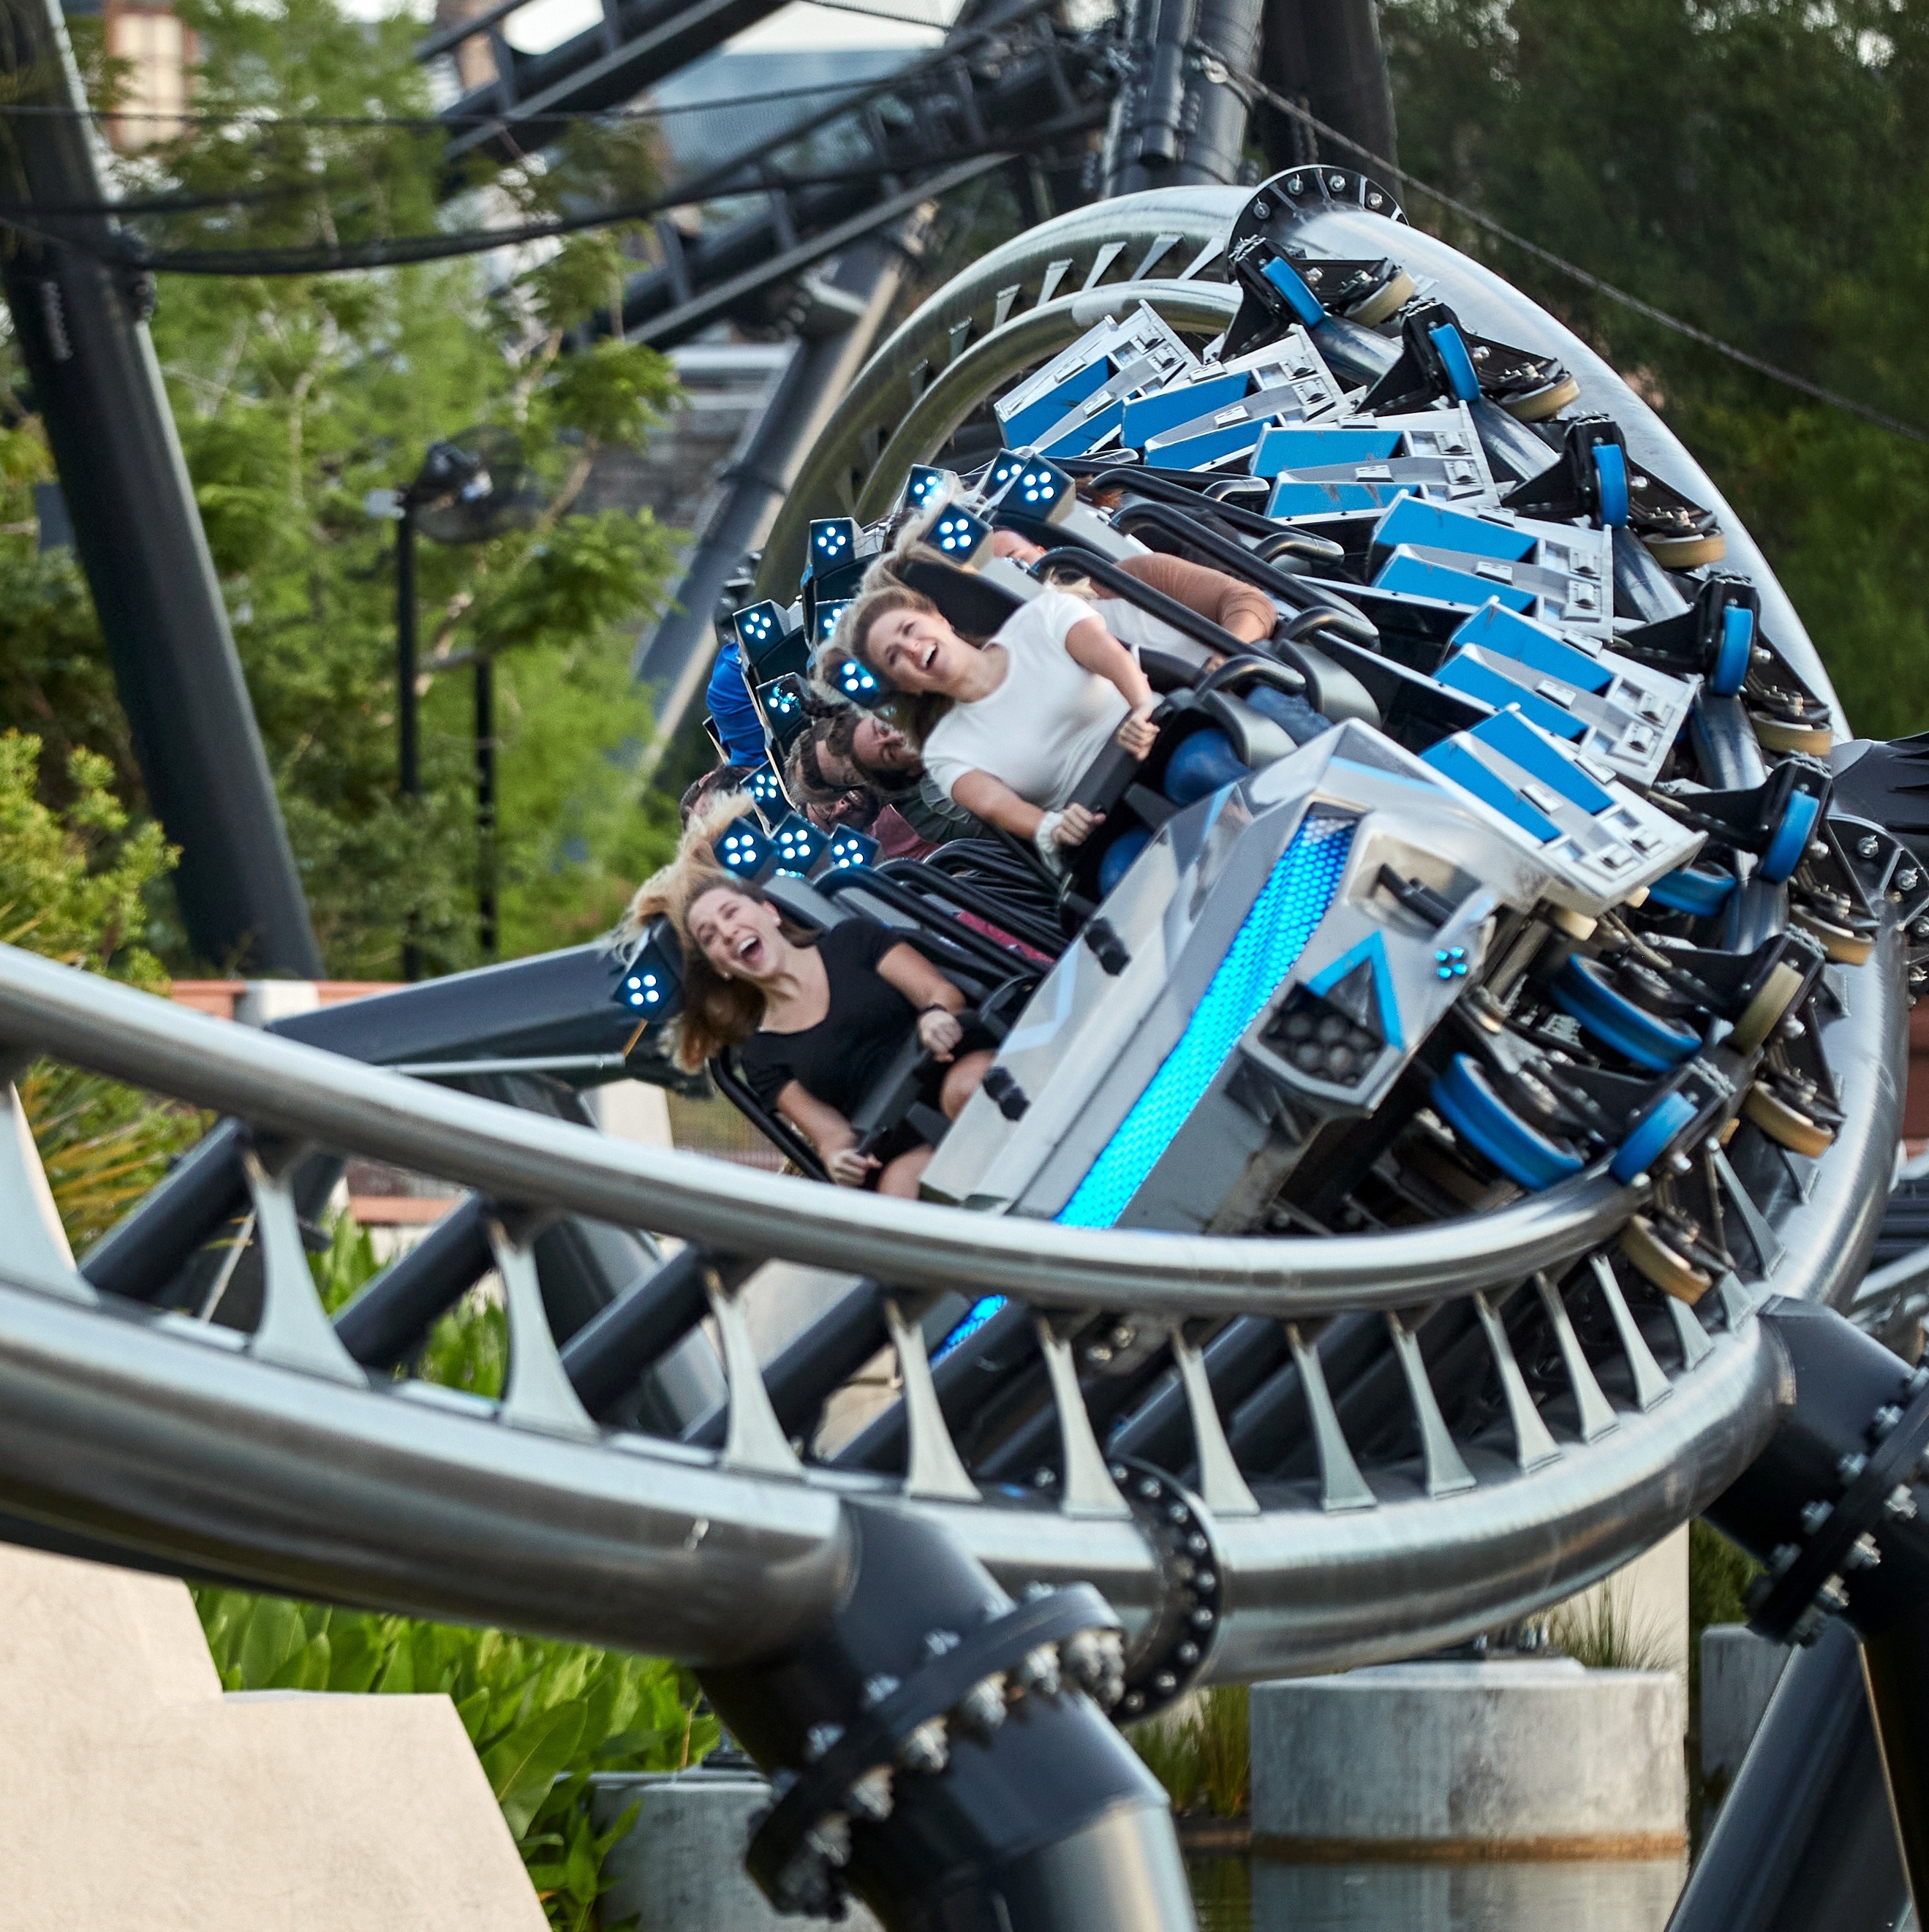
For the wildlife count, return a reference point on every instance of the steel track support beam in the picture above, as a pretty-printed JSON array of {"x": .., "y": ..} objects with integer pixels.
[
  {"x": 1326, "y": 55},
  {"x": 934, "y": 1752},
  {"x": 1833, "y": 1509},
  {"x": 82, "y": 333},
  {"x": 1172, "y": 124},
  {"x": 672, "y": 659}
]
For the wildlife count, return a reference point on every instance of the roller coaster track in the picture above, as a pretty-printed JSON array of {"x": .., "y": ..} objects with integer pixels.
[{"x": 1449, "y": 1428}]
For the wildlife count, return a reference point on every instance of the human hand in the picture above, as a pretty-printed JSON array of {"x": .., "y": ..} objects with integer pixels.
[
  {"x": 1077, "y": 822},
  {"x": 848, "y": 1168},
  {"x": 1138, "y": 734},
  {"x": 938, "y": 1032}
]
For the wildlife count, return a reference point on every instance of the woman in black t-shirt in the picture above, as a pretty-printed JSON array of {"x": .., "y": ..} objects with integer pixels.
[{"x": 818, "y": 1024}]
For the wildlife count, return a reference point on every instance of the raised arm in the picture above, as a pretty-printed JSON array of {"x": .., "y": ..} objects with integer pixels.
[{"x": 1243, "y": 609}]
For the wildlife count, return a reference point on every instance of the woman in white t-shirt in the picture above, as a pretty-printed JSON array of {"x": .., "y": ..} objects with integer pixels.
[{"x": 1008, "y": 728}]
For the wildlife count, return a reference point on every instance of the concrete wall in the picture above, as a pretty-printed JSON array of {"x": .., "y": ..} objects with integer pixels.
[
  {"x": 680, "y": 1868},
  {"x": 138, "y": 1798}
]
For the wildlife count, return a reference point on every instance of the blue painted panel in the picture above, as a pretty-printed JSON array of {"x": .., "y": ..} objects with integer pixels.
[
  {"x": 1432, "y": 526},
  {"x": 1494, "y": 628},
  {"x": 1482, "y": 681},
  {"x": 1291, "y": 498},
  {"x": 1455, "y": 761},
  {"x": 1543, "y": 761},
  {"x": 1055, "y": 406},
  {"x": 1417, "y": 578},
  {"x": 1293, "y": 446},
  {"x": 1148, "y": 416}
]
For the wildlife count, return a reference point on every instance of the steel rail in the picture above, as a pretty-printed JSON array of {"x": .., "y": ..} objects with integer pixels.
[{"x": 511, "y": 1156}]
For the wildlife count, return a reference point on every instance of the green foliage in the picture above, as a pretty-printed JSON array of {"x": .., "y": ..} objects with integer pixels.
[
  {"x": 1600, "y": 1632},
  {"x": 71, "y": 882},
  {"x": 296, "y": 396},
  {"x": 1758, "y": 168},
  {"x": 1203, "y": 1758},
  {"x": 542, "y": 1716}
]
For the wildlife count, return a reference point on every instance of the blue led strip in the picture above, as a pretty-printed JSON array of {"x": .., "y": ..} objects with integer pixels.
[{"x": 1286, "y": 915}]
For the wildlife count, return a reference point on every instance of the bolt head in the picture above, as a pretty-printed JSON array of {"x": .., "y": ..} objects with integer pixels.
[{"x": 1868, "y": 847}]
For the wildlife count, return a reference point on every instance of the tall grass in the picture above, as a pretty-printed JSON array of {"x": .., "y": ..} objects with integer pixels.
[
  {"x": 1203, "y": 1758},
  {"x": 1600, "y": 1632}
]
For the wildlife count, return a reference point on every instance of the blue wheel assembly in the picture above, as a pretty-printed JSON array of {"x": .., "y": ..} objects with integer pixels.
[
  {"x": 1581, "y": 990},
  {"x": 1464, "y": 1098},
  {"x": 1791, "y": 839},
  {"x": 1610, "y": 476},
  {"x": 1205, "y": 763},
  {"x": 1119, "y": 857},
  {"x": 1654, "y": 1133},
  {"x": 1451, "y": 346},
  {"x": 1733, "y": 651},
  {"x": 1693, "y": 890}
]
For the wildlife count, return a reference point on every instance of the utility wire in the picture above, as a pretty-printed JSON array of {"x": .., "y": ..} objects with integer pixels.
[
  {"x": 263, "y": 117},
  {"x": 1249, "y": 85}
]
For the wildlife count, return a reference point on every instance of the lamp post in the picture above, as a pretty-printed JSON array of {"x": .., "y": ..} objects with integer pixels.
[{"x": 446, "y": 471}]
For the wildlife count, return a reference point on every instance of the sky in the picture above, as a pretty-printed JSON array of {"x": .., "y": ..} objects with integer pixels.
[{"x": 542, "y": 23}]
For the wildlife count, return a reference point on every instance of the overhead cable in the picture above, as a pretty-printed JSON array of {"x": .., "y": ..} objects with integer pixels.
[{"x": 1251, "y": 86}]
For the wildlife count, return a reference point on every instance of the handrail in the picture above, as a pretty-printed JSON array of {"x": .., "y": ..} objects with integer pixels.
[{"x": 513, "y": 1156}]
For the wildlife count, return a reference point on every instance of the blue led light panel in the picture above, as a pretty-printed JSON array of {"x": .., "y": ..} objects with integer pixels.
[
  {"x": 957, "y": 534},
  {"x": 758, "y": 627},
  {"x": 923, "y": 482},
  {"x": 850, "y": 851},
  {"x": 763, "y": 788},
  {"x": 742, "y": 849},
  {"x": 833, "y": 542},
  {"x": 798, "y": 844},
  {"x": 1286, "y": 915}
]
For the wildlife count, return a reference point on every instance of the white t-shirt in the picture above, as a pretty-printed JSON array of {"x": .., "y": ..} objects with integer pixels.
[{"x": 1040, "y": 730}]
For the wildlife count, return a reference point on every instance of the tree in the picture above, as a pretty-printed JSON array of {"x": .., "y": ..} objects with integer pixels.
[
  {"x": 71, "y": 886},
  {"x": 1756, "y": 167},
  {"x": 296, "y": 397}
]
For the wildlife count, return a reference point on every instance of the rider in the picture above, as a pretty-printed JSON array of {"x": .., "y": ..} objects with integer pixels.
[
  {"x": 816, "y": 1020},
  {"x": 1008, "y": 728}
]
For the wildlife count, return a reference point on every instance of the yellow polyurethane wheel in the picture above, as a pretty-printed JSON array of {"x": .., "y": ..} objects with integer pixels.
[
  {"x": 1761, "y": 1015},
  {"x": 1844, "y": 947},
  {"x": 1397, "y": 292},
  {"x": 1671, "y": 1273},
  {"x": 1788, "y": 1127},
  {"x": 1775, "y": 735},
  {"x": 1686, "y": 553},
  {"x": 1538, "y": 406}
]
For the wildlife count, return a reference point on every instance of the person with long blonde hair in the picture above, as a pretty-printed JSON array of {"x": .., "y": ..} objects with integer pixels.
[{"x": 816, "y": 1020}]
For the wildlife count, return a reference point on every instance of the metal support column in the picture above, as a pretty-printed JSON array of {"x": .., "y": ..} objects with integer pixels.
[
  {"x": 937, "y": 1750},
  {"x": 674, "y": 659},
  {"x": 82, "y": 333},
  {"x": 1832, "y": 1509},
  {"x": 1173, "y": 125}
]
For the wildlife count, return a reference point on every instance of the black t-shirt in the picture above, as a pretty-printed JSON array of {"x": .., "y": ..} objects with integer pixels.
[{"x": 838, "y": 1060}]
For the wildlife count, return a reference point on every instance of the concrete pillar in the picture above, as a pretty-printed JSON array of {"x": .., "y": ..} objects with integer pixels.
[
  {"x": 142, "y": 1800},
  {"x": 1506, "y": 1896},
  {"x": 1521, "y": 1758},
  {"x": 633, "y": 1110},
  {"x": 680, "y": 1868}
]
